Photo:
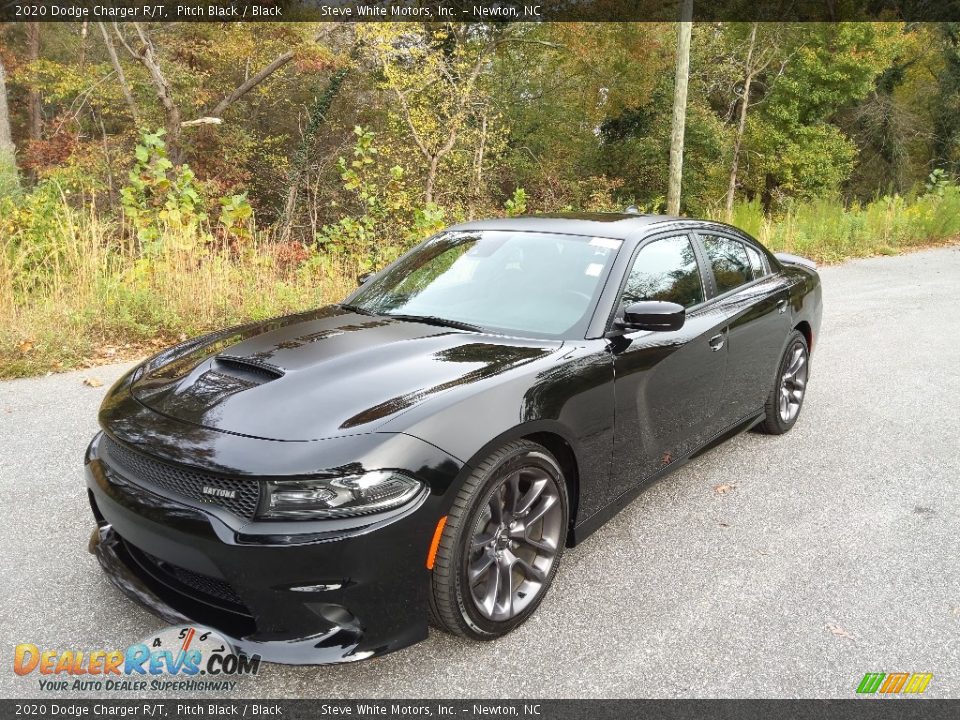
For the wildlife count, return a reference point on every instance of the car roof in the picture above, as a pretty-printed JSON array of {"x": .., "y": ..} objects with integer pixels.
[
  {"x": 610, "y": 225},
  {"x": 622, "y": 226}
]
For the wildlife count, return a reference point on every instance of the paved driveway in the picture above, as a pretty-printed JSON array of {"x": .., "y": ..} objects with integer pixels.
[{"x": 834, "y": 553}]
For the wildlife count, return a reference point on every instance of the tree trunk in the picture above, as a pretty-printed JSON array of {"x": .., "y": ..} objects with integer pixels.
[
  {"x": 9, "y": 181},
  {"x": 251, "y": 83},
  {"x": 171, "y": 112},
  {"x": 121, "y": 78},
  {"x": 431, "y": 179},
  {"x": 678, "y": 124},
  {"x": 742, "y": 124},
  {"x": 35, "y": 117}
]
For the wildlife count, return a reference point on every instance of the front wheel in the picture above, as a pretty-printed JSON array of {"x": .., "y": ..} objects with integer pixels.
[
  {"x": 790, "y": 386},
  {"x": 501, "y": 544}
]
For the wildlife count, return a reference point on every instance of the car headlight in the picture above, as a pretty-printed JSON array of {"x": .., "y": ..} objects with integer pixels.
[{"x": 338, "y": 496}]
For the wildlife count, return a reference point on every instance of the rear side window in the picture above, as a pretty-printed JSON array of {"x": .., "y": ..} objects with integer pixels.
[
  {"x": 728, "y": 258},
  {"x": 665, "y": 270}
]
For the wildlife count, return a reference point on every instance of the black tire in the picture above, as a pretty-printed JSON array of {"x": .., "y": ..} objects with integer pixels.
[
  {"x": 518, "y": 468},
  {"x": 776, "y": 421}
]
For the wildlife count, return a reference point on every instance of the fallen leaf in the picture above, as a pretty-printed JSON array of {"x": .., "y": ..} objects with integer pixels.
[
  {"x": 25, "y": 347},
  {"x": 92, "y": 382},
  {"x": 840, "y": 632},
  {"x": 724, "y": 488}
]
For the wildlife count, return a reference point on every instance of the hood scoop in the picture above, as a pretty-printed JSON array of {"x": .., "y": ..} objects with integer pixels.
[{"x": 247, "y": 370}]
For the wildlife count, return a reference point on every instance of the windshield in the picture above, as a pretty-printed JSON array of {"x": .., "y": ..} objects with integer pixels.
[{"x": 525, "y": 283}]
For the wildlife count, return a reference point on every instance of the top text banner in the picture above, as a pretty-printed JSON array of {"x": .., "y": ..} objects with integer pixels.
[{"x": 475, "y": 10}]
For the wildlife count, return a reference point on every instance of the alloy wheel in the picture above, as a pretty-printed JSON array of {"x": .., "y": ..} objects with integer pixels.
[
  {"x": 793, "y": 383},
  {"x": 514, "y": 543}
]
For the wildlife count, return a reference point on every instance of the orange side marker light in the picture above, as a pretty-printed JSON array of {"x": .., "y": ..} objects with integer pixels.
[{"x": 435, "y": 545}]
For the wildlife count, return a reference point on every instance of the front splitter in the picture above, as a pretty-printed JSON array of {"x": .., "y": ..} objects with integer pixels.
[{"x": 337, "y": 645}]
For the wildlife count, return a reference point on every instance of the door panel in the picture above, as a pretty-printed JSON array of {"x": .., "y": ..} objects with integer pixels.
[
  {"x": 668, "y": 387},
  {"x": 668, "y": 384},
  {"x": 756, "y": 323},
  {"x": 757, "y": 328}
]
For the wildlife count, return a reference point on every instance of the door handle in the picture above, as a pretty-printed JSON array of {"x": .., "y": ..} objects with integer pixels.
[
  {"x": 782, "y": 305},
  {"x": 717, "y": 341}
]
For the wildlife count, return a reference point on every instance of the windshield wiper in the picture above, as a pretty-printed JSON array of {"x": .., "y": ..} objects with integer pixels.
[
  {"x": 355, "y": 308},
  {"x": 434, "y": 320}
]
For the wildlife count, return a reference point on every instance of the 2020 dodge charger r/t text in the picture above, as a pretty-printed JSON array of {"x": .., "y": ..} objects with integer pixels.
[{"x": 318, "y": 487}]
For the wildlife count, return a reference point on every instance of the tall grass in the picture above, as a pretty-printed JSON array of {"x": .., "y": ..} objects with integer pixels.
[
  {"x": 91, "y": 294},
  {"x": 76, "y": 290},
  {"x": 828, "y": 232}
]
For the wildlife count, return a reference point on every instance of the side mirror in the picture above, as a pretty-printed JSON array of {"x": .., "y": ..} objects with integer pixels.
[
  {"x": 652, "y": 315},
  {"x": 361, "y": 279}
]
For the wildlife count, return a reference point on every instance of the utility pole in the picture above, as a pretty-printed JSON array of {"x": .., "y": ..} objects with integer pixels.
[{"x": 678, "y": 124}]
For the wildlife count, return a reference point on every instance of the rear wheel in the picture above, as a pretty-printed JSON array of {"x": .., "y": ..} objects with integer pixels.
[
  {"x": 501, "y": 544},
  {"x": 786, "y": 397}
]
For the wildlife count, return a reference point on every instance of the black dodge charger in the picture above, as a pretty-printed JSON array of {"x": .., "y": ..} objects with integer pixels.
[{"x": 319, "y": 487}]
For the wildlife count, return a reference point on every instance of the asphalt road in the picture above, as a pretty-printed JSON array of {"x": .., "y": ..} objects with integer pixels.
[{"x": 835, "y": 553}]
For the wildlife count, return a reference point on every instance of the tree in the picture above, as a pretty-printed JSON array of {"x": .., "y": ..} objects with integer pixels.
[
  {"x": 678, "y": 122},
  {"x": 433, "y": 75},
  {"x": 121, "y": 76},
  {"x": 173, "y": 124},
  {"x": 757, "y": 60},
  {"x": 33, "y": 96},
  {"x": 792, "y": 145},
  {"x": 171, "y": 110},
  {"x": 9, "y": 181},
  {"x": 947, "y": 101},
  {"x": 571, "y": 95},
  {"x": 893, "y": 126}
]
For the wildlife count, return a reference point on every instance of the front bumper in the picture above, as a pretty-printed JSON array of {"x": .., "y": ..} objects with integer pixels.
[{"x": 295, "y": 593}]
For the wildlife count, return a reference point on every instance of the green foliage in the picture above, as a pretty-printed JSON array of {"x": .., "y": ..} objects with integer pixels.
[
  {"x": 792, "y": 147},
  {"x": 159, "y": 195},
  {"x": 374, "y": 235},
  {"x": 236, "y": 216},
  {"x": 427, "y": 220},
  {"x": 9, "y": 177},
  {"x": 35, "y": 227},
  {"x": 938, "y": 181},
  {"x": 517, "y": 205}
]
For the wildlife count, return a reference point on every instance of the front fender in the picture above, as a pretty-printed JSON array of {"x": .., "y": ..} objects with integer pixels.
[{"x": 571, "y": 399}]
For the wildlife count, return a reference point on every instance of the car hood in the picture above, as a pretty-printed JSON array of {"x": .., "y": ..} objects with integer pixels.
[{"x": 322, "y": 374}]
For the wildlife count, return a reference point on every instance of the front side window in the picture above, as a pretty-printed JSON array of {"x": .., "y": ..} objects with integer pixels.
[
  {"x": 728, "y": 258},
  {"x": 756, "y": 262},
  {"x": 528, "y": 283},
  {"x": 665, "y": 270}
]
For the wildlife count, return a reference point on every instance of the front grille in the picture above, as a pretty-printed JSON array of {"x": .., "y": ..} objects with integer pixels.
[{"x": 181, "y": 481}]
